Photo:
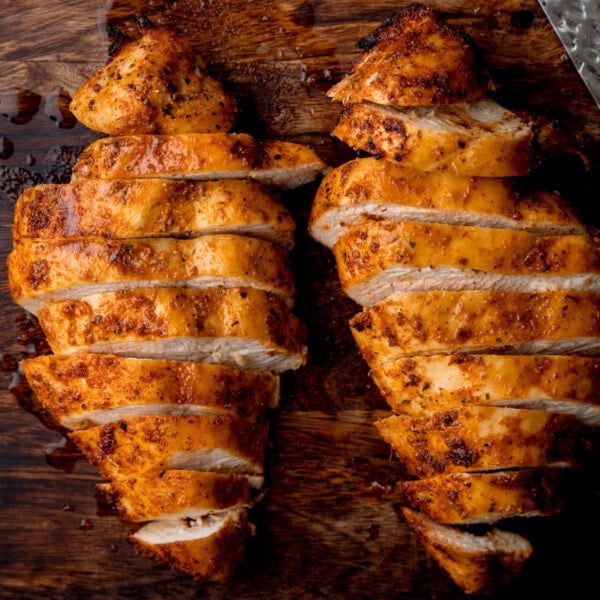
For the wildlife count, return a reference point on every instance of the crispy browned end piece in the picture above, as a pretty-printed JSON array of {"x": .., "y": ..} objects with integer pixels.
[
  {"x": 470, "y": 498},
  {"x": 371, "y": 188},
  {"x": 199, "y": 156},
  {"x": 154, "y": 84},
  {"x": 483, "y": 438},
  {"x": 238, "y": 327},
  {"x": 88, "y": 389},
  {"x": 567, "y": 384},
  {"x": 130, "y": 447},
  {"x": 425, "y": 323},
  {"x": 477, "y": 563},
  {"x": 209, "y": 549},
  {"x": 173, "y": 494},
  {"x": 44, "y": 271},
  {"x": 475, "y": 139},
  {"x": 134, "y": 208},
  {"x": 378, "y": 259},
  {"x": 414, "y": 58}
]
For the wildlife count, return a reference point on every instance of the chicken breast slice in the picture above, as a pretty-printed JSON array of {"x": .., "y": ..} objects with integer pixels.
[
  {"x": 175, "y": 494},
  {"x": 44, "y": 271},
  {"x": 379, "y": 189},
  {"x": 477, "y": 563},
  {"x": 414, "y": 58},
  {"x": 378, "y": 259},
  {"x": 564, "y": 384},
  {"x": 88, "y": 389},
  {"x": 476, "y": 498},
  {"x": 131, "y": 447},
  {"x": 154, "y": 84},
  {"x": 210, "y": 548},
  {"x": 237, "y": 327},
  {"x": 485, "y": 322},
  {"x": 140, "y": 208},
  {"x": 199, "y": 156},
  {"x": 484, "y": 438},
  {"x": 474, "y": 139}
]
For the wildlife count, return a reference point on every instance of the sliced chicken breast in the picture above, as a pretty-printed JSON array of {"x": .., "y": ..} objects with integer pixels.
[
  {"x": 379, "y": 189},
  {"x": 484, "y": 438},
  {"x": 134, "y": 208},
  {"x": 475, "y": 498},
  {"x": 237, "y": 327},
  {"x": 209, "y": 548},
  {"x": 475, "y": 139},
  {"x": 479, "y": 563},
  {"x": 200, "y": 156},
  {"x": 414, "y": 58},
  {"x": 154, "y": 84},
  {"x": 175, "y": 494},
  {"x": 565, "y": 384},
  {"x": 43, "y": 271},
  {"x": 132, "y": 447},
  {"x": 425, "y": 323},
  {"x": 378, "y": 259},
  {"x": 88, "y": 389}
]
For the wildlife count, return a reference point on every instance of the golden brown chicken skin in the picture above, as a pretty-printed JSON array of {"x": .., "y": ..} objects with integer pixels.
[
  {"x": 414, "y": 58},
  {"x": 133, "y": 208},
  {"x": 88, "y": 389},
  {"x": 154, "y": 84},
  {"x": 375, "y": 188},
  {"x": 43, "y": 271}
]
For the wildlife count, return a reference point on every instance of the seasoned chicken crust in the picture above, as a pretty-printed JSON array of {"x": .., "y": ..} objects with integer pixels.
[
  {"x": 154, "y": 84},
  {"x": 87, "y": 389},
  {"x": 375, "y": 188},
  {"x": 475, "y": 498},
  {"x": 414, "y": 58},
  {"x": 200, "y": 156},
  {"x": 378, "y": 259},
  {"x": 238, "y": 327},
  {"x": 134, "y": 208},
  {"x": 473, "y": 139},
  {"x": 477, "y": 563},
  {"x": 484, "y": 438},
  {"x": 566, "y": 384},
  {"x": 43, "y": 271},
  {"x": 152, "y": 443},
  {"x": 424, "y": 323}
]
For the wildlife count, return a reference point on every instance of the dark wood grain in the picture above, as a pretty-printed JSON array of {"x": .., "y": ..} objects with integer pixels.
[{"x": 328, "y": 526}]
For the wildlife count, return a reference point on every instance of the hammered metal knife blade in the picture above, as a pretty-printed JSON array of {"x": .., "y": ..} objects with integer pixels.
[{"x": 577, "y": 24}]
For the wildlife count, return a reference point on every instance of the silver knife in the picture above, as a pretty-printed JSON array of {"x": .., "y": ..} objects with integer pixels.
[{"x": 577, "y": 24}]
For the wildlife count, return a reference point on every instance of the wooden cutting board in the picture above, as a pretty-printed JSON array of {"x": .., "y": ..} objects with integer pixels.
[{"x": 328, "y": 526}]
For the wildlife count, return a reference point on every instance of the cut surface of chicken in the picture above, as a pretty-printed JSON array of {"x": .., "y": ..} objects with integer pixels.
[
  {"x": 131, "y": 447},
  {"x": 484, "y": 322},
  {"x": 133, "y": 208},
  {"x": 484, "y": 438},
  {"x": 478, "y": 138},
  {"x": 566, "y": 384},
  {"x": 210, "y": 549},
  {"x": 175, "y": 494},
  {"x": 237, "y": 327},
  {"x": 374, "y": 189},
  {"x": 378, "y": 259},
  {"x": 87, "y": 389},
  {"x": 475, "y": 498},
  {"x": 477, "y": 563},
  {"x": 200, "y": 156},
  {"x": 154, "y": 84},
  {"x": 43, "y": 271},
  {"x": 414, "y": 58}
]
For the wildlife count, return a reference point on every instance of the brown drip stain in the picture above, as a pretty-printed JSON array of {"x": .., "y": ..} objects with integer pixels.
[{"x": 19, "y": 105}]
